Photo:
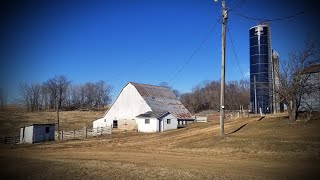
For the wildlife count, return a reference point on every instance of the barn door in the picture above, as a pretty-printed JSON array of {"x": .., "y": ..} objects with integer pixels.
[{"x": 115, "y": 124}]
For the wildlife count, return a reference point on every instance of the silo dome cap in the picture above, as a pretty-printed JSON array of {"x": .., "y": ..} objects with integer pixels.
[{"x": 274, "y": 53}]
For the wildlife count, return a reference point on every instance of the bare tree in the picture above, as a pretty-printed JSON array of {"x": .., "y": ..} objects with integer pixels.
[
  {"x": 74, "y": 96},
  {"x": 50, "y": 87},
  {"x": 57, "y": 88},
  {"x": 62, "y": 84},
  {"x": 103, "y": 91},
  {"x": 89, "y": 94},
  {"x": 57, "y": 93},
  {"x": 206, "y": 96},
  {"x": 30, "y": 96},
  {"x": 292, "y": 81}
]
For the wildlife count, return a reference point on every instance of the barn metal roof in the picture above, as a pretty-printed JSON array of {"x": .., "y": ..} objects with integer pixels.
[{"x": 162, "y": 99}]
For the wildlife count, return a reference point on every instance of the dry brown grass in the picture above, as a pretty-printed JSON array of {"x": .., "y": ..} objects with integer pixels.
[
  {"x": 11, "y": 121},
  {"x": 266, "y": 149}
]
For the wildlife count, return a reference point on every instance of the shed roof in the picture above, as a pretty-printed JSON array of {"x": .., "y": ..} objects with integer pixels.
[
  {"x": 153, "y": 114},
  {"x": 314, "y": 68},
  {"x": 161, "y": 99},
  {"x": 39, "y": 124}
]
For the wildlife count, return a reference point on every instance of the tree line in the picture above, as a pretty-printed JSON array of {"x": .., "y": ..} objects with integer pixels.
[
  {"x": 206, "y": 96},
  {"x": 59, "y": 93}
]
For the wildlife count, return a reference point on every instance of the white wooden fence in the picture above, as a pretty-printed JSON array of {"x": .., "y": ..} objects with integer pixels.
[
  {"x": 83, "y": 133},
  {"x": 200, "y": 118}
]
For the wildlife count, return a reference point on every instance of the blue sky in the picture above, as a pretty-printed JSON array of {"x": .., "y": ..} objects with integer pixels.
[{"x": 145, "y": 41}]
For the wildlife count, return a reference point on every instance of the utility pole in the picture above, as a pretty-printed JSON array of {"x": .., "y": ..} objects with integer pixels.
[
  {"x": 223, "y": 59},
  {"x": 273, "y": 87}
]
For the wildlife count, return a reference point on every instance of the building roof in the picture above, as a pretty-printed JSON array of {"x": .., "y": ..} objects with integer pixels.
[
  {"x": 153, "y": 114},
  {"x": 162, "y": 100},
  {"x": 314, "y": 68},
  {"x": 35, "y": 124},
  {"x": 260, "y": 25}
]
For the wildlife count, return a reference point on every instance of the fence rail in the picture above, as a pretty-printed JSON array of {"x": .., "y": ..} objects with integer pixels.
[
  {"x": 83, "y": 133},
  {"x": 9, "y": 140},
  {"x": 65, "y": 135}
]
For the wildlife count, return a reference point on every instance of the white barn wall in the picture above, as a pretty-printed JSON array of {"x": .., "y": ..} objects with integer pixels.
[
  {"x": 100, "y": 123},
  {"x": 127, "y": 106}
]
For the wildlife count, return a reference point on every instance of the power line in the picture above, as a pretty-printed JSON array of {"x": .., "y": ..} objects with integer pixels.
[
  {"x": 194, "y": 52},
  {"x": 234, "y": 51},
  {"x": 268, "y": 20},
  {"x": 237, "y": 5}
]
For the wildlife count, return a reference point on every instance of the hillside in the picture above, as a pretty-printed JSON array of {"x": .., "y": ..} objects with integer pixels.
[
  {"x": 12, "y": 120},
  {"x": 254, "y": 148}
]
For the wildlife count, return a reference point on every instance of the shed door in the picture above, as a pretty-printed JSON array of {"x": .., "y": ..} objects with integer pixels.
[
  {"x": 160, "y": 125},
  {"x": 47, "y": 133}
]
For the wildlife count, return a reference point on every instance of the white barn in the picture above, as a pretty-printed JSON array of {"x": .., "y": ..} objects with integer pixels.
[
  {"x": 34, "y": 133},
  {"x": 145, "y": 108}
]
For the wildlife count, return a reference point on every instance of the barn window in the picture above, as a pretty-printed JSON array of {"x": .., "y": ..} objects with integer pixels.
[
  {"x": 147, "y": 121},
  {"x": 168, "y": 121},
  {"x": 47, "y": 129}
]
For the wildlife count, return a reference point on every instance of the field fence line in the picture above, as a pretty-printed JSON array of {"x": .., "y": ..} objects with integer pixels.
[
  {"x": 10, "y": 139},
  {"x": 83, "y": 133}
]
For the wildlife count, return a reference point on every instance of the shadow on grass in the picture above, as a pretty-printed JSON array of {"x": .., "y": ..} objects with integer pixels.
[
  {"x": 238, "y": 128},
  {"x": 243, "y": 126},
  {"x": 260, "y": 118}
]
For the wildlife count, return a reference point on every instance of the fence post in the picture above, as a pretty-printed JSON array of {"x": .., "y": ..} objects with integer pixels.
[
  {"x": 62, "y": 135},
  {"x": 74, "y": 134},
  {"x": 86, "y": 132}
]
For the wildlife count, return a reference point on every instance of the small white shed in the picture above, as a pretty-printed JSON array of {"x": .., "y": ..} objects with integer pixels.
[
  {"x": 156, "y": 121},
  {"x": 34, "y": 133}
]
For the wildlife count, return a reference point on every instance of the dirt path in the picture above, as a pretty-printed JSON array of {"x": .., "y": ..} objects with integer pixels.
[{"x": 179, "y": 162}]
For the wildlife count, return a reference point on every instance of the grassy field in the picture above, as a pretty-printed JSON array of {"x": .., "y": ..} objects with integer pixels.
[
  {"x": 11, "y": 121},
  {"x": 254, "y": 148}
]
